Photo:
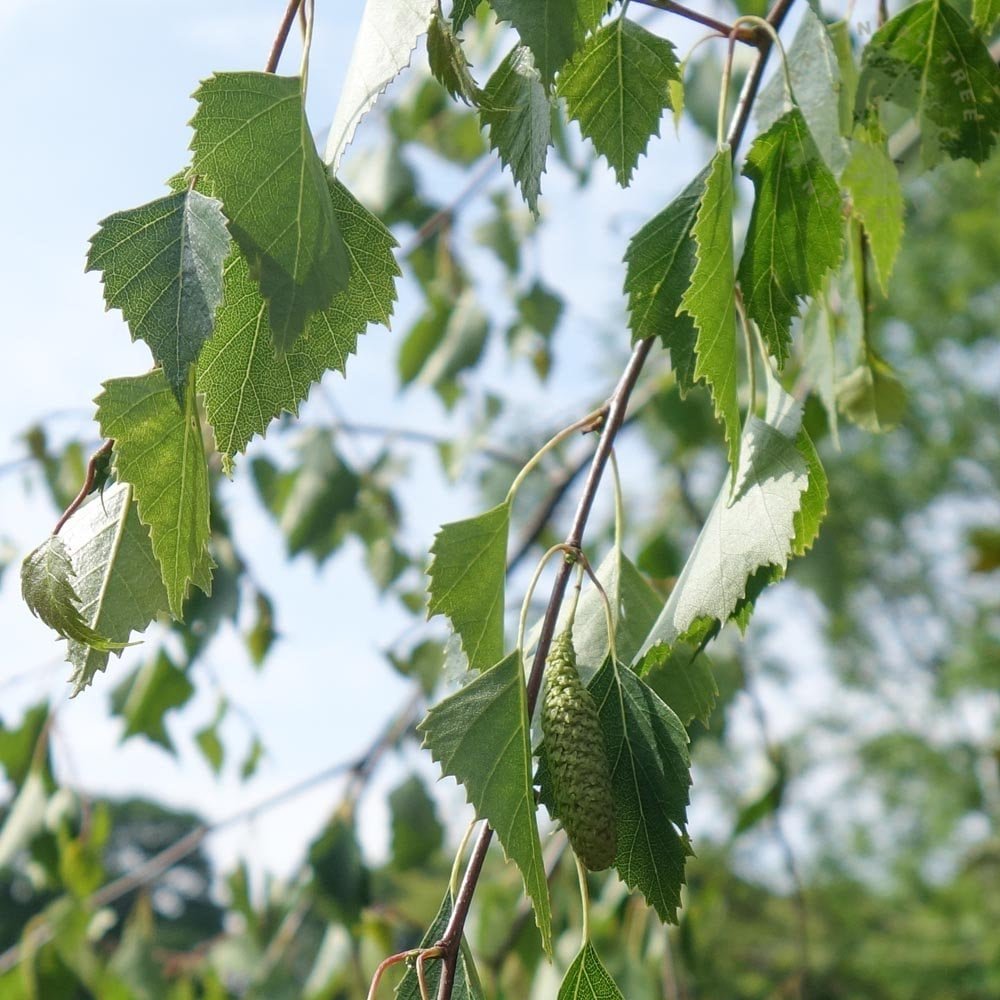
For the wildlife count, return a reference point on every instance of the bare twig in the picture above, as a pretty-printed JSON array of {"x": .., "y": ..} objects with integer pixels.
[
  {"x": 742, "y": 34},
  {"x": 282, "y": 36}
]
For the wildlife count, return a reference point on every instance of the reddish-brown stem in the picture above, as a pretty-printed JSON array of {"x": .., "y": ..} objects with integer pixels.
[
  {"x": 282, "y": 36},
  {"x": 88, "y": 485},
  {"x": 746, "y": 35}
]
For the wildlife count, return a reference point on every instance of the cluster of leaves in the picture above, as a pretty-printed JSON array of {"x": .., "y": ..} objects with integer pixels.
[{"x": 258, "y": 273}]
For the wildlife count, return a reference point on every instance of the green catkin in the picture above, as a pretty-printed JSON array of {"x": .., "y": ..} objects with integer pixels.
[{"x": 577, "y": 759}]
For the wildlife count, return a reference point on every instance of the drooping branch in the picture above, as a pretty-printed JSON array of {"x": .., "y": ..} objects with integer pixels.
[
  {"x": 743, "y": 34},
  {"x": 282, "y": 36},
  {"x": 450, "y": 941}
]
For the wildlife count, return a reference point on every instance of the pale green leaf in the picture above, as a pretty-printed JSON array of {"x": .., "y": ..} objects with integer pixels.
[
  {"x": 161, "y": 264},
  {"x": 253, "y": 145},
  {"x": 24, "y": 818},
  {"x": 650, "y": 776},
  {"x": 467, "y": 574},
  {"x": 872, "y": 180},
  {"x": 244, "y": 382},
  {"x": 843, "y": 47},
  {"x": 710, "y": 298},
  {"x": 47, "y": 588},
  {"x": 795, "y": 234},
  {"x": 816, "y": 82},
  {"x": 819, "y": 359},
  {"x": 985, "y": 14},
  {"x": 480, "y": 736},
  {"x": 587, "y": 979},
  {"x": 617, "y": 86},
  {"x": 872, "y": 396},
  {"x": 751, "y": 526},
  {"x": 448, "y": 62},
  {"x": 660, "y": 260},
  {"x": 385, "y": 41},
  {"x": 550, "y": 29},
  {"x": 461, "y": 11},
  {"x": 466, "y": 985},
  {"x": 159, "y": 450},
  {"x": 159, "y": 687},
  {"x": 118, "y": 579},
  {"x": 417, "y": 834},
  {"x": 516, "y": 111},
  {"x": 929, "y": 60}
]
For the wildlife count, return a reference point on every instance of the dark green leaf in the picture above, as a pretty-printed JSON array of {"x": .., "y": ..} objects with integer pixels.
[
  {"x": 159, "y": 450},
  {"x": 253, "y": 144},
  {"x": 210, "y": 743},
  {"x": 161, "y": 264},
  {"x": 448, "y": 62},
  {"x": 682, "y": 676},
  {"x": 796, "y": 233},
  {"x": 481, "y": 737},
  {"x": 516, "y": 111},
  {"x": 929, "y": 60},
  {"x": 245, "y": 384},
  {"x": 467, "y": 575},
  {"x": 339, "y": 870},
  {"x": 617, "y": 86},
  {"x": 660, "y": 260},
  {"x": 872, "y": 396}
]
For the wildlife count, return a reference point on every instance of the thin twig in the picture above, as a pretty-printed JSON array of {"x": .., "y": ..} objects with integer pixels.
[
  {"x": 282, "y": 36},
  {"x": 746, "y": 35},
  {"x": 88, "y": 484}
]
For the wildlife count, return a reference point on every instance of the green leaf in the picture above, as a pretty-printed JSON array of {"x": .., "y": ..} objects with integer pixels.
[
  {"x": 461, "y": 11},
  {"x": 634, "y": 607},
  {"x": 118, "y": 579},
  {"x": 819, "y": 363},
  {"x": 161, "y": 264},
  {"x": 748, "y": 527},
  {"x": 467, "y": 575},
  {"x": 660, "y": 260},
  {"x": 815, "y": 73},
  {"x": 385, "y": 41},
  {"x": 550, "y": 29},
  {"x": 617, "y": 87},
  {"x": 417, "y": 834},
  {"x": 796, "y": 233},
  {"x": 587, "y": 979},
  {"x": 159, "y": 687},
  {"x": 872, "y": 181},
  {"x": 466, "y": 985},
  {"x": 985, "y": 14},
  {"x": 447, "y": 61},
  {"x": 650, "y": 775},
  {"x": 311, "y": 501},
  {"x": 481, "y": 737},
  {"x": 682, "y": 676},
  {"x": 159, "y": 450},
  {"x": 710, "y": 298},
  {"x": 252, "y": 142},
  {"x": 47, "y": 588},
  {"x": 339, "y": 870},
  {"x": 209, "y": 742},
  {"x": 872, "y": 396},
  {"x": 929, "y": 60},
  {"x": 24, "y": 818},
  {"x": 516, "y": 111},
  {"x": 245, "y": 384}
]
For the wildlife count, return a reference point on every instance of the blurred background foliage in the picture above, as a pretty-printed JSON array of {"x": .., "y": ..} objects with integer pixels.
[{"x": 846, "y": 806}]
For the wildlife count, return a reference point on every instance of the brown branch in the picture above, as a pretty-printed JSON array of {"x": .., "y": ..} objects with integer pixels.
[
  {"x": 88, "y": 484},
  {"x": 451, "y": 939},
  {"x": 282, "y": 36},
  {"x": 746, "y": 35}
]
